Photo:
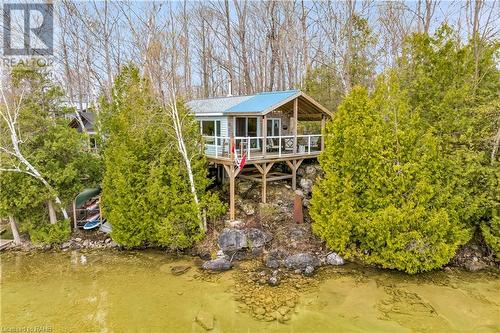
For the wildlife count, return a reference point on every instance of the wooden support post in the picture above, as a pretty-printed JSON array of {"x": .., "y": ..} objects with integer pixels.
[
  {"x": 74, "y": 214},
  {"x": 264, "y": 170},
  {"x": 264, "y": 182},
  {"x": 264, "y": 136},
  {"x": 294, "y": 165},
  {"x": 232, "y": 173},
  {"x": 295, "y": 123},
  {"x": 322, "y": 132},
  {"x": 230, "y": 124},
  {"x": 231, "y": 194},
  {"x": 264, "y": 186}
]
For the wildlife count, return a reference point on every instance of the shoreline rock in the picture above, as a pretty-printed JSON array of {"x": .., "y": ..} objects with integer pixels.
[
  {"x": 205, "y": 320},
  {"x": 217, "y": 265},
  {"x": 76, "y": 243},
  {"x": 334, "y": 259},
  {"x": 304, "y": 263}
]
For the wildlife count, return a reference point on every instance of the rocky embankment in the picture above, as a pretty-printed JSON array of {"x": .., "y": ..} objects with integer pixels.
[
  {"x": 79, "y": 241},
  {"x": 250, "y": 243},
  {"x": 267, "y": 232}
]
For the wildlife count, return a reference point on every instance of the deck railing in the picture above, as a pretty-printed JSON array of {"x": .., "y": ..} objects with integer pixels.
[{"x": 253, "y": 147}]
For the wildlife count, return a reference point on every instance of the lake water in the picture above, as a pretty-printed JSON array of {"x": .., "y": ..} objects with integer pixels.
[{"x": 136, "y": 292}]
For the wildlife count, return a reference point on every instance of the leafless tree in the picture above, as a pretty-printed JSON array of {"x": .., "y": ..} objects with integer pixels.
[{"x": 240, "y": 46}]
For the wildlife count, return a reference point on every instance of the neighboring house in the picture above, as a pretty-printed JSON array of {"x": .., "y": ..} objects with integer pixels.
[
  {"x": 259, "y": 131},
  {"x": 88, "y": 119}
]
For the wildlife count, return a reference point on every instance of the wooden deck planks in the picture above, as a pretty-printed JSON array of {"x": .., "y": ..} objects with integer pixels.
[{"x": 270, "y": 157}]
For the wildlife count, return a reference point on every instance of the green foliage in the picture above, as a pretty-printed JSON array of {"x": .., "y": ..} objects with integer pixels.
[
  {"x": 457, "y": 94},
  {"x": 386, "y": 195},
  {"x": 360, "y": 65},
  {"x": 147, "y": 196},
  {"x": 49, "y": 144},
  {"x": 20, "y": 195},
  {"x": 491, "y": 234},
  {"x": 56, "y": 233},
  {"x": 408, "y": 173}
]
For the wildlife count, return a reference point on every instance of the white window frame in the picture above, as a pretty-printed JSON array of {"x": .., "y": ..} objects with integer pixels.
[{"x": 217, "y": 128}]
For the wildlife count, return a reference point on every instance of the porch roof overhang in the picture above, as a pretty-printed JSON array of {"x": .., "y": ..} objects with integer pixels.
[
  {"x": 264, "y": 103},
  {"x": 261, "y": 104}
]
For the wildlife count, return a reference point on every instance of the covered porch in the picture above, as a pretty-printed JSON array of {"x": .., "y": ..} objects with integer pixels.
[
  {"x": 290, "y": 128},
  {"x": 286, "y": 131}
]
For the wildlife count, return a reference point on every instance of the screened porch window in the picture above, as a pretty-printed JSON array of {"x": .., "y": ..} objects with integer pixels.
[{"x": 246, "y": 126}]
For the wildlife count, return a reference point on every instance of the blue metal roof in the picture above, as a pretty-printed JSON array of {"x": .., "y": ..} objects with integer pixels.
[{"x": 261, "y": 102}]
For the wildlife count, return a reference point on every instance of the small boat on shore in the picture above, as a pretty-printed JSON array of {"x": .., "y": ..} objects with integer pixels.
[
  {"x": 92, "y": 222},
  {"x": 106, "y": 227}
]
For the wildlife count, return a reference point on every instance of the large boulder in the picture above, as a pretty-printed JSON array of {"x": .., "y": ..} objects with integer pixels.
[
  {"x": 312, "y": 170},
  {"x": 306, "y": 185},
  {"x": 474, "y": 265},
  {"x": 256, "y": 237},
  {"x": 334, "y": 259},
  {"x": 231, "y": 240},
  {"x": 301, "y": 261},
  {"x": 217, "y": 265}
]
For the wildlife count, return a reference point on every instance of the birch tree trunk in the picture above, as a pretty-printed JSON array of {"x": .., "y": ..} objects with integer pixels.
[
  {"x": 35, "y": 173},
  {"x": 10, "y": 119},
  {"x": 15, "y": 231},
  {"x": 184, "y": 153}
]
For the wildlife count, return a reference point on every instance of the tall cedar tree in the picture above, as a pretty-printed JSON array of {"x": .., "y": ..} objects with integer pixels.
[
  {"x": 146, "y": 192},
  {"x": 461, "y": 102},
  {"x": 385, "y": 195},
  {"x": 408, "y": 173}
]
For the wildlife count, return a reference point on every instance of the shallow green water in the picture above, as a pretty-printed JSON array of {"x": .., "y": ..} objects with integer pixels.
[{"x": 136, "y": 292}]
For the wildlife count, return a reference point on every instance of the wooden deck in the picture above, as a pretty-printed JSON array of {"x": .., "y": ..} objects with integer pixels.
[{"x": 259, "y": 158}]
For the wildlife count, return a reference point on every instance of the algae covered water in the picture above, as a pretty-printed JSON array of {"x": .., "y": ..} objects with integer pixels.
[{"x": 137, "y": 292}]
